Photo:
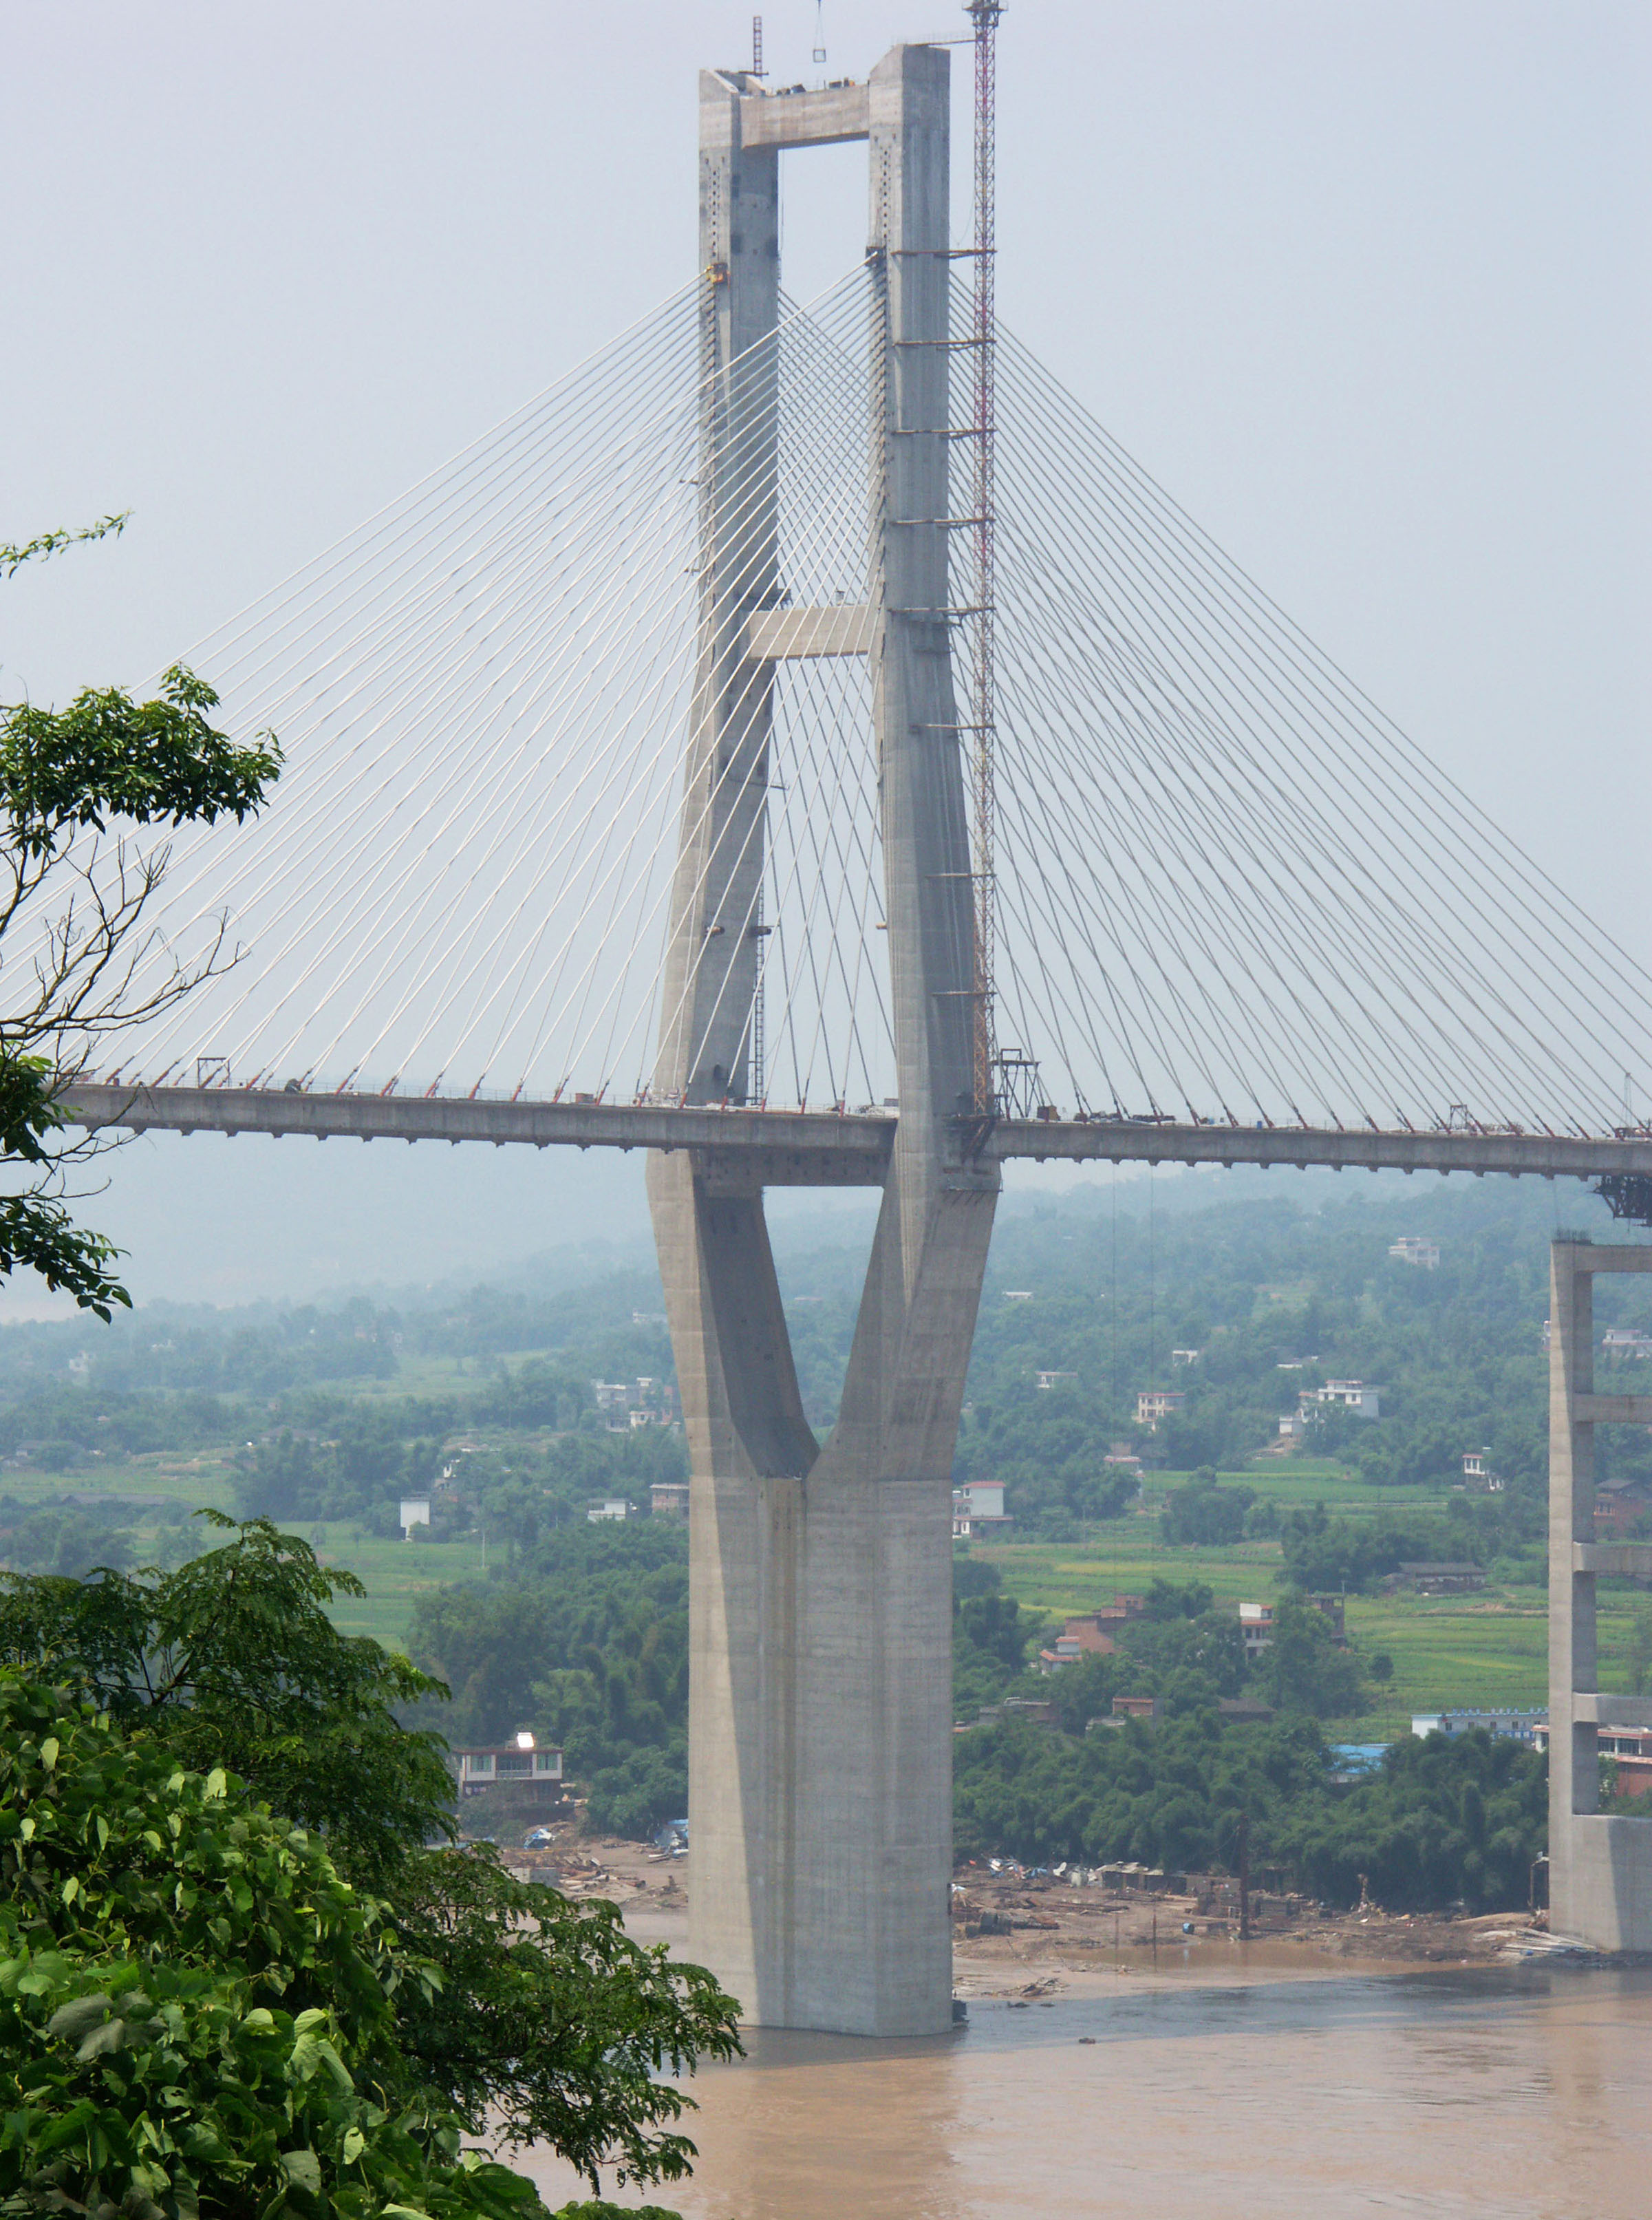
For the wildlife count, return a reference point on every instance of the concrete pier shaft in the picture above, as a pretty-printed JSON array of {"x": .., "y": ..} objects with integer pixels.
[
  {"x": 820, "y": 1726},
  {"x": 1600, "y": 1864}
]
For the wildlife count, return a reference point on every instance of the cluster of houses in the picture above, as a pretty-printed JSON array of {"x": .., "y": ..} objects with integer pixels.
[
  {"x": 1154, "y": 1404},
  {"x": 641, "y": 1402},
  {"x": 667, "y": 1499},
  {"x": 1631, "y": 1747},
  {"x": 1091, "y": 1634},
  {"x": 978, "y": 1511},
  {"x": 1096, "y": 1633},
  {"x": 1629, "y": 1341}
]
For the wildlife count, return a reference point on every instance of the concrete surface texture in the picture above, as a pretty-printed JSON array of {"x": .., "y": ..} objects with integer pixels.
[
  {"x": 820, "y": 1720},
  {"x": 1600, "y": 1866}
]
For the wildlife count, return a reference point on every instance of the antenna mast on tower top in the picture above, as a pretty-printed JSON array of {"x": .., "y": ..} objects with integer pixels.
[{"x": 984, "y": 14}]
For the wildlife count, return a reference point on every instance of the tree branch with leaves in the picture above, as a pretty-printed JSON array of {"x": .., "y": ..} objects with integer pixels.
[
  {"x": 545, "y": 2023},
  {"x": 79, "y": 895}
]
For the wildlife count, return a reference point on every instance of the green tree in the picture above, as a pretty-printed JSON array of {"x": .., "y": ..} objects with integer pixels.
[
  {"x": 1204, "y": 1512},
  {"x": 1640, "y": 1651},
  {"x": 232, "y": 1660},
  {"x": 1441, "y": 1820},
  {"x": 991, "y": 1637},
  {"x": 636, "y": 1797},
  {"x": 65, "y": 777},
  {"x": 542, "y": 2021},
  {"x": 1085, "y": 1690},
  {"x": 1172, "y": 1600},
  {"x": 550, "y": 2024},
  {"x": 197, "y": 2011},
  {"x": 1210, "y": 1647},
  {"x": 1304, "y": 1670},
  {"x": 1323, "y": 1554},
  {"x": 1445, "y": 1819},
  {"x": 588, "y": 1643}
]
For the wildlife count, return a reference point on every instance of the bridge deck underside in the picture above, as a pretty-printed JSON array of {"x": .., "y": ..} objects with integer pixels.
[{"x": 783, "y": 1148}]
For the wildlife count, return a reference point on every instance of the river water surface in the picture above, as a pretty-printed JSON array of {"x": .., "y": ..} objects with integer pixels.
[{"x": 1510, "y": 2092}]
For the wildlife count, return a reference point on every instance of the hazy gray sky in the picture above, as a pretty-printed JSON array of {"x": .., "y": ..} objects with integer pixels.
[{"x": 1364, "y": 286}]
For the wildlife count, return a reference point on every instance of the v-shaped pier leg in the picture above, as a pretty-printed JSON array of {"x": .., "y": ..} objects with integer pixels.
[{"x": 821, "y": 1660}]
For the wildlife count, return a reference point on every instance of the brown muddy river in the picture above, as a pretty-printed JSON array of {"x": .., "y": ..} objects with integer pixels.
[{"x": 1519, "y": 2091}]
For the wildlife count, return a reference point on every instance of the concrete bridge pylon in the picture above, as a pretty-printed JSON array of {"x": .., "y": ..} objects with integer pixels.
[
  {"x": 1599, "y": 1863},
  {"x": 819, "y": 1724}
]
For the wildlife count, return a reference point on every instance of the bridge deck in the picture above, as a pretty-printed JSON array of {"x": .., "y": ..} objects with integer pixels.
[{"x": 814, "y": 1148}]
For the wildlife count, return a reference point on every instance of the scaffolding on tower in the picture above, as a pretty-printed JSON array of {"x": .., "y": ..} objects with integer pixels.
[{"x": 984, "y": 15}]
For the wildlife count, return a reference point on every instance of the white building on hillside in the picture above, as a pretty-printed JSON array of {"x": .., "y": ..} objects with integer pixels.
[
  {"x": 1353, "y": 1395},
  {"x": 1256, "y": 1629},
  {"x": 978, "y": 1510},
  {"x": 1153, "y": 1404},
  {"x": 1417, "y": 1248},
  {"x": 1626, "y": 1341}
]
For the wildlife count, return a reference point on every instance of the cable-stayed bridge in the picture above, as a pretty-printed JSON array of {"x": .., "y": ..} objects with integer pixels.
[
  {"x": 1231, "y": 895},
  {"x": 803, "y": 745}
]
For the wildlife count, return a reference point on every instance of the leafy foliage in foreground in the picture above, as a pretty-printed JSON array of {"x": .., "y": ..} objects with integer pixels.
[
  {"x": 63, "y": 773},
  {"x": 196, "y": 2010},
  {"x": 515, "y": 2013},
  {"x": 108, "y": 755},
  {"x": 231, "y": 1660},
  {"x": 550, "y": 2023}
]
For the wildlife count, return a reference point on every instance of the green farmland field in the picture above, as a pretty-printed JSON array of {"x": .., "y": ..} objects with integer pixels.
[{"x": 1468, "y": 1652}]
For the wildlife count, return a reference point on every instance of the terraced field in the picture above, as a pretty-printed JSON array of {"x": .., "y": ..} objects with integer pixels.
[
  {"x": 1469, "y": 1652},
  {"x": 1466, "y": 1651},
  {"x": 396, "y": 1572}
]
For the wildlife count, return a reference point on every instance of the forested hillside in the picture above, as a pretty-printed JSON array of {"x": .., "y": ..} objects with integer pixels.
[
  {"x": 1277, "y": 1282},
  {"x": 484, "y": 1400}
]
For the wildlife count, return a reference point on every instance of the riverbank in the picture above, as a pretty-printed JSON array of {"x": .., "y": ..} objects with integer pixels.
[
  {"x": 1015, "y": 1934},
  {"x": 1356, "y": 2065}
]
